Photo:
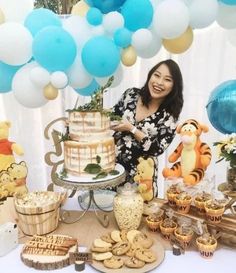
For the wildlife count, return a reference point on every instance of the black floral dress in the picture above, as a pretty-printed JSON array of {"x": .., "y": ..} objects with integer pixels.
[{"x": 159, "y": 129}]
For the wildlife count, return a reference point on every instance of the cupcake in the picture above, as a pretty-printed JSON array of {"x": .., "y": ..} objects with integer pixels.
[
  {"x": 200, "y": 200},
  {"x": 206, "y": 245},
  {"x": 171, "y": 193},
  {"x": 154, "y": 220},
  {"x": 214, "y": 211},
  {"x": 183, "y": 201},
  {"x": 167, "y": 228},
  {"x": 184, "y": 236}
]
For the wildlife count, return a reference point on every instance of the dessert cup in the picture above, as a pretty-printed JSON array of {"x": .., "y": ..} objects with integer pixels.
[
  {"x": 184, "y": 236},
  {"x": 200, "y": 200},
  {"x": 154, "y": 220},
  {"x": 214, "y": 211},
  {"x": 206, "y": 246},
  {"x": 183, "y": 202},
  {"x": 171, "y": 193},
  {"x": 167, "y": 228}
]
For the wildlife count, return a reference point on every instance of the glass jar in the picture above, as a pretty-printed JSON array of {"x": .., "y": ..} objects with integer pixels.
[
  {"x": 231, "y": 177},
  {"x": 128, "y": 207}
]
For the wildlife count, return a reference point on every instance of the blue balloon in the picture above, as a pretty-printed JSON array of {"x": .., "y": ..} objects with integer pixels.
[
  {"x": 54, "y": 49},
  {"x": 221, "y": 107},
  {"x": 38, "y": 19},
  {"x": 7, "y": 73},
  {"x": 100, "y": 56},
  {"x": 137, "y": 14},
  {"x": 122, "y": 37},
  {"x": 88, "y": 90},
  {"x": 228, "y": 2},
  {"x": 106, "y": 6},
  {"x": 94, "y": 16}
]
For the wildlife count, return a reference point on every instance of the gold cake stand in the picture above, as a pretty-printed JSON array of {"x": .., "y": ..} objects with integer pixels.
[{"x": 76, "y": 184}]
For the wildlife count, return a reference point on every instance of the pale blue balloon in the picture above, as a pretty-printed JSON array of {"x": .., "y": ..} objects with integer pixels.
[
  {"x": 88, "y": 90},
  {"x": 137, "y": 14},
  {"x": 94, "y": 16},
  {"x": 7, "y": 73},
  {"x": 38, "y": 19},
  {"x": 228, "y": 2},
  {"x": 221, "y": 107},
  {"x": 54, "y": 49},
  {"x": 106, "y": 5},
  {"x": 122, "y": 37},
  {"x": 100, "y": 56}
]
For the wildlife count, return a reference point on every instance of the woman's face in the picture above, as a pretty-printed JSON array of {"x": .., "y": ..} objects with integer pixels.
[{"x": 160, "y": 83}]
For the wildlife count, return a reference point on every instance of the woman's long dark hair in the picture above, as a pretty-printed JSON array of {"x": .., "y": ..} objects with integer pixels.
[{"x": 173, "y": 102}]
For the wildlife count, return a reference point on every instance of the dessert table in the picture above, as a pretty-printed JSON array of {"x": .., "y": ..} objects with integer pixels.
[
  {"x": 88, "y": 229},
  {"x": 223, "y": 261}
]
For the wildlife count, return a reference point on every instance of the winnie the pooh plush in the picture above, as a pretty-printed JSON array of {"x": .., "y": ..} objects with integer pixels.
[
  {"x": 144, "y": 177},
  {"x": 13, "y": 180},
  {"x": 194, "y": 154},
  {"x": 7, "y": 148},
  {"x": 18, "y": 173}
]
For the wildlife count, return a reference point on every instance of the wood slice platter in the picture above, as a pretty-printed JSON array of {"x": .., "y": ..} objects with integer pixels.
[
  {"x": 49, "y": 252},
  {"x": 157, "y": 248}
]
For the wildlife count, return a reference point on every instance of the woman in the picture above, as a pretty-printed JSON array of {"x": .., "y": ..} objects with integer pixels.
[{"x": 149, "y": 118}]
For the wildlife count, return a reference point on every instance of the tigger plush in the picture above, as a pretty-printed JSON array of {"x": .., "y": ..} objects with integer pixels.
[{"x": 194, "y": 155}]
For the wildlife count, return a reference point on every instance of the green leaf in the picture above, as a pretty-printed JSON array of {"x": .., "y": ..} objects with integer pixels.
[
  {"x": 100, "y": 175},
  {"x": 92, "y": 168},
  {"x": 114, "y": 172}
]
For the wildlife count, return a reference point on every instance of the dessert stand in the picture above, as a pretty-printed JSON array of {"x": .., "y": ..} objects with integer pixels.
[{"x": 77, "y": 184}]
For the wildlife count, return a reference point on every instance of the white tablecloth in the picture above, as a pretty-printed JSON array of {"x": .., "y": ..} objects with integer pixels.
[{"x": 224, "y": 260}]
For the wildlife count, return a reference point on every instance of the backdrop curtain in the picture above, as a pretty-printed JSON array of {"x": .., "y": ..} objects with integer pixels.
[{"x": 210, "y": 60}]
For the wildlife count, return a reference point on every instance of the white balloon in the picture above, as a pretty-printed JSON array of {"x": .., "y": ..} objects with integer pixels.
[
  {"x": 77, "y": 74},
  {"x": 203, "y": 13},
  {"x": 39, "y": 76},
  {"x": 59, "y": 79},
  {"x": 16, "y": 44},
  {"x": 98, "y": 30},
  {"x": 112, "y": 21},
  {"x": 15, "y": 10},
  {"x": 25, "y": 91},
  {"x": 231, "y": 36},
  {"x": 79, "y": 28},
  {"x": 226, "y": 17},
  {"x": 141, "y": 39},
  {"x": 153, "y": 48},
  {"x": 171, "y": 19}
]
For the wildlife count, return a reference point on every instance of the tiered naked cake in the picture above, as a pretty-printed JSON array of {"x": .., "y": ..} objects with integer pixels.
[{"x": 90, "y": 139}]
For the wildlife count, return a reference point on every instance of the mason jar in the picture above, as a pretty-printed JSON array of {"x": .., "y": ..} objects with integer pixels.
[{"x": 128, "y": 207}]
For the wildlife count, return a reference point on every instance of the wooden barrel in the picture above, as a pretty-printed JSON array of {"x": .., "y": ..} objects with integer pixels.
[{"x": 39, "y": 220}]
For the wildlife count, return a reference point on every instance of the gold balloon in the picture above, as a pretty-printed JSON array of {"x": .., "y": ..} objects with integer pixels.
[
  {"x": 80, "y": 8},
  {"x": 179, "y": 44},
  {"x": 128, "y": 56},
  {"x": 50, "y": 92},
  {"x": 2, "y": 17}
]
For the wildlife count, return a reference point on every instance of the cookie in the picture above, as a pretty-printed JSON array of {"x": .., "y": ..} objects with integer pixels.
[
  {"x": 100, "y": 243},
  {"x": 143, "y": 240},
  {"x": 113, "y": 263},
  {"x": 107, "y": 238},
  {"x": 101, "y": 256},
  {"x": 132, "y": 250},
  {"x": 134, "y": 263},
  {"x": 115, "y": 236},
  {"x": 100, "y": 249},
  {"x": 131, "y": 234},
  {"x": 120, "y": 248},
  {"x": 123, "y": 234},
  {"x": 145, "y": 255}
]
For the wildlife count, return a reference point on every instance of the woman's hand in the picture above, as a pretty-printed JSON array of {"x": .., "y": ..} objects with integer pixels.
[{"x": 124, "y": 125}]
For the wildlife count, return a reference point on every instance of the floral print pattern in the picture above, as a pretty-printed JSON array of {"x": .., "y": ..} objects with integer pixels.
[{"x": 159, "y": 129}]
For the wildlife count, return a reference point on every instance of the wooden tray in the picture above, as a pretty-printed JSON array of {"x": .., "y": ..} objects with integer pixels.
[{"x": 157, "y": 248}]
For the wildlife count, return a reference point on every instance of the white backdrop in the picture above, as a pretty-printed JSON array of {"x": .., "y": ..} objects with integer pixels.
[{"x": 210, "y": 60}]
